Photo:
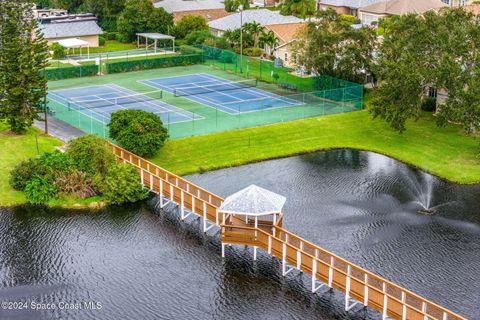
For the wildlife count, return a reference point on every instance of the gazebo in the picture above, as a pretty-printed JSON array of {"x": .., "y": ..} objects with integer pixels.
[
  {"x": 155, "y": 37},
  {"x": 253, "y": 207},
  {"x": 73, "y": 43}
]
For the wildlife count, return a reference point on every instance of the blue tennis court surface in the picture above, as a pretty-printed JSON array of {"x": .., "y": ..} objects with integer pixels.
[
  {"x": 99, "y": 102},
  {"x": 228, "y": 96}
]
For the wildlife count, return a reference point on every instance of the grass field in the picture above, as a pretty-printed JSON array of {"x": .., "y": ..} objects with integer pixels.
[
  {"x": 445, "y": 152},
  {"x": 13, "y": 149}
]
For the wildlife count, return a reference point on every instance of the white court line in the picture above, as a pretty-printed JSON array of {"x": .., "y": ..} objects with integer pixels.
[
  {"x": 197, "y": 99},
  {"x": 80, "y": 110},
  {"x": 167, "y": 107}
]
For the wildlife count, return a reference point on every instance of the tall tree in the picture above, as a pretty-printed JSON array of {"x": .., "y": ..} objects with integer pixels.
[
  {"x": 254, "y": 29},
  {"x": 298, "y": 8},
  {"x": 330, "y": 46},
  {"x": 436, "y": 50},
  {"x": 23, "y": 57},
  {"x": 188, "y": 24},
  {"x": 142, "y": 16}
]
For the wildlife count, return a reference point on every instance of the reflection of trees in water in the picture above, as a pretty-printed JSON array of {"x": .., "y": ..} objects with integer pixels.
[{"x": 335, "y": 159}]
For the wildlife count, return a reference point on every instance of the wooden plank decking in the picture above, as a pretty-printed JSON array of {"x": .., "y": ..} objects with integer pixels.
[{"x": 325, "y": 268}]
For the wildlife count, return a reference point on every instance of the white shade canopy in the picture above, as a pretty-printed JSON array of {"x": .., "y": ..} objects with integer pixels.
[
  {"x": 73, "y": 43},
  {"x": 253, "y": 201}
]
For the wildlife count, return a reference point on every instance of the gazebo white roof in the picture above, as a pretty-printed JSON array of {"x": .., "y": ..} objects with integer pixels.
[
  {"x": 73, "y": 43},
  {"x": 155, "y": 36},
  {"x": 253, "y": 201}
]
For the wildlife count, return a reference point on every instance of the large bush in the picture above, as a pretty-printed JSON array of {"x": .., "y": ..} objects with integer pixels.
[
  {"x": 40, "y": 191},
  {"x": 25, "y": 171},
  {"x": 56, "y": 163},
  {"x": 90, "y": 154},
  {"x": 122, "y": 184},
  {"x": 189, "y": 24},
  {"x": 138, "y": 131},
  {"x": 198, "y": 37},
  {"x": 58, "y": 52}
]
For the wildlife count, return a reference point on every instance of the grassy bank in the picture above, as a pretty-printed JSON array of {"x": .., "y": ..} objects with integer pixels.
[
  {"x": 13, "y": 149},
  {"x": 445, "y": 152}
]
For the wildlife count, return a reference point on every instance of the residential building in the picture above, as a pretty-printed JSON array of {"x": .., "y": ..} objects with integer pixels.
[
  {"x": 80, "y": 26},
  {"x": 458, "y": 3},
  {"x": 209, "y": 9},
  {"x": 39, "y": 13},
  {"x": 286, "y": 34},
  {"x": 262, "y": 16},
  {"x": 344, "y": 6},
  {"x": 374, "y": 12}
]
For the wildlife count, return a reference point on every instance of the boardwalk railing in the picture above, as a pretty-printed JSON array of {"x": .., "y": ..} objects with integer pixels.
[{"x": 360, "y": 286}]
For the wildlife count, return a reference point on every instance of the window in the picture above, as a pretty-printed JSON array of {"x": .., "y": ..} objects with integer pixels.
[
  {"x": 432, "y": 92},
  {"x": 286, "y": 56}
]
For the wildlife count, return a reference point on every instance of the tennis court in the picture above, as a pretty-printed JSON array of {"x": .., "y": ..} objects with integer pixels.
[
  {"x": 232, "y": 97},
  {"x": 98, "y": 102}
]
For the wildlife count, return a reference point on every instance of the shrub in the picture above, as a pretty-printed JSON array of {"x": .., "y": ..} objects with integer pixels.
[
  {"x": 110, "y": 35},
  {"x": 90, "y": 154},
  {"x": 56, "y": 163},
  {"x": 253, "y": 52},
  {"x": 39, "y": 191},
  {"x": 429, "y": 104},
  {"x": 198, "y": 37},
  {"x": 189, "y": 24},
  {"x": 122, "y": 38},
  {"x": 190, "y": 50},
  {"x": 58, "y": 51},
  {"x": 101, "y": 41},
  {"x": 25, "y": 171},
  {"x": 122, "y": 184},
  {"x": 138, "y": 131},
  {"x": 76, "y": 182}
]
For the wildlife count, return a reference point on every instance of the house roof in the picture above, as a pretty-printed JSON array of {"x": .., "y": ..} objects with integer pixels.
[
  {"x": 355, "y": 4},
  {"x": 262, "y": 16},
  {"x": 172, "y": 6},
  {"x": 70, "y": 29},
  {"x": 473, "y": 8},
  {"x": 208, "y": 14},
  {"x": 286, "y": 32},
  {"x": 401, "y": 7}
]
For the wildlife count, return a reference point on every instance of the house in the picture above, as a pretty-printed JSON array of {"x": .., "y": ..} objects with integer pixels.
[
  {"x": 80, "y": 26},
  {"x": 344, "y": 6},
  {"x": 286, "y": 34},
  {"x": 374, "y": 12},
  {"x": 458, "y": 3},
  {"x": 209, "y": 9},
  {"x": 43, "y": 13},
  {"x": 262, "y": 16}
]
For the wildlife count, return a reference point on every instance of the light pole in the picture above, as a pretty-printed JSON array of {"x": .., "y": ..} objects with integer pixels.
[{"x": 240, "y": 9}]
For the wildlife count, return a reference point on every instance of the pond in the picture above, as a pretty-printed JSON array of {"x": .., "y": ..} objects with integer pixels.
[{"x": 133, "y": 262}]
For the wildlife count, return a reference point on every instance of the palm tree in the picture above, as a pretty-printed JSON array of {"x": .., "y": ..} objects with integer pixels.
[
  {"x": 255, "y": 29},
  {"x": 269, "y": 39}
]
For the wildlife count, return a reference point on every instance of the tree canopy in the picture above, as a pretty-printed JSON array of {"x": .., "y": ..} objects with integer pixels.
[
  {"x": 330, "y": 46},
  {"x": 142, "y": 16},
  {"x": 188, "y": 24},
  {"x": 23, "y": 57},
  {"x": 298, "y": 8},
  {"x": 439, "y": 51}
]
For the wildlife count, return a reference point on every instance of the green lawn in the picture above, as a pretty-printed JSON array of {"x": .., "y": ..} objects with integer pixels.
[
  {"x": 113, "y": 45},
  {"x": 445, "y": 152},
  {"x": 13, "y": 149}
]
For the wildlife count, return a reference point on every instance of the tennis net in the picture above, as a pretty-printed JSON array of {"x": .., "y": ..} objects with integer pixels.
[
  {"x": 196, "y": 89},
  {"x": 99, "y": 102}
]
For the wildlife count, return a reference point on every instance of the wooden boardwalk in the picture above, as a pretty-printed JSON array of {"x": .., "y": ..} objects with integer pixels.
[{"x": 326, "y": 269}]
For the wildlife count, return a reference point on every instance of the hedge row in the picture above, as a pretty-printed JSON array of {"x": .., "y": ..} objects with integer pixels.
[
  {"x": 71, "y": 72},
  {"x": 165, "y": 62}
]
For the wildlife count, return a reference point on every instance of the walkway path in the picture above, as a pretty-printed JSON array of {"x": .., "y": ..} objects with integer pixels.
[{"x": 59, "y": 129}]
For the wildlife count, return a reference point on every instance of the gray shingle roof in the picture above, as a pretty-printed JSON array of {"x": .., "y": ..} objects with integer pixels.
[
  {"x": 70, "y": 29},
  {"x": 189, "y": 5},
  {"x": 261, "y": 16},
  {"x": 350, "y": 3}
]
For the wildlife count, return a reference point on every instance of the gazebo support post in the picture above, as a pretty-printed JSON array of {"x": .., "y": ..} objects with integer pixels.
[
  {"x": 173, "y": 45},
  {"x": 155, "y": 45},
  {"x": 138, "y": 41},
  {"x": 88, "y": 51}
]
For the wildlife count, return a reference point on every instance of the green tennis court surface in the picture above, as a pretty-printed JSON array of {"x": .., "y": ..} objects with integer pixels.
[{"x": 208, "y": 100}]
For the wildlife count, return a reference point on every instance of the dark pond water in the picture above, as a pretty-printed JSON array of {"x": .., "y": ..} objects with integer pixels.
[{"x": 138, "y": 264}]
